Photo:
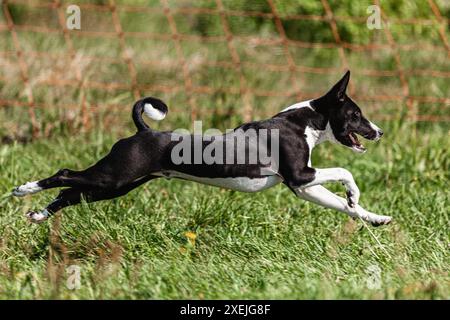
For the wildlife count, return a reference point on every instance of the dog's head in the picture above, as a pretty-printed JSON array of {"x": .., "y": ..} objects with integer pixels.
[{"x": 346, "y": 118}]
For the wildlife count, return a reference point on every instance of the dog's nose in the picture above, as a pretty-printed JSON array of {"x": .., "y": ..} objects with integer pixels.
[{"x": 380, "y": 133}]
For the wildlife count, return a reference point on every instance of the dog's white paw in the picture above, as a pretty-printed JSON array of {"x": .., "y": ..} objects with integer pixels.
[
  {"x": 380, "y": 220},
  {"x": 37, "y": 217},
  {"x": 27, "y": 188}
]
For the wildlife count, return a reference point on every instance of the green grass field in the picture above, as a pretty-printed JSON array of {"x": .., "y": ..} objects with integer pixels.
[{"x": 175, "y": 239}]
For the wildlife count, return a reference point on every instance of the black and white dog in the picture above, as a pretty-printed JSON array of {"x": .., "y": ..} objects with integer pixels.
[{"x": 149, "y": 155}]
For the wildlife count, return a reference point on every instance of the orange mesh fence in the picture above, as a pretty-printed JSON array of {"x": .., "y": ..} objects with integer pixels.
[{"x": 286, "y": 63}]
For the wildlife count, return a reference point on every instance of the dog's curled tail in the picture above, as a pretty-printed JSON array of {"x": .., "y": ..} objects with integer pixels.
[{"x": 152, "y": 107}]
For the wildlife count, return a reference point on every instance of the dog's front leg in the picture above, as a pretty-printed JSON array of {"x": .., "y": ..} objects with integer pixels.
[
  {"x": 344, "y": 176},
  {"x": 322, "y": 196}
]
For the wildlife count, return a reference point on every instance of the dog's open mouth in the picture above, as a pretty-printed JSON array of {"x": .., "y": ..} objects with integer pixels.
[{"x": 356, "y": 145}]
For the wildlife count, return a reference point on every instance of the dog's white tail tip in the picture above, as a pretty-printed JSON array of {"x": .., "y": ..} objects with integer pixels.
[{"x": 153, "y": 113}]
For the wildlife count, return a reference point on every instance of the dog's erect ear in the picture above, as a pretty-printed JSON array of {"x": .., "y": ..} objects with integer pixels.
[{"x": 338, "y": 90}]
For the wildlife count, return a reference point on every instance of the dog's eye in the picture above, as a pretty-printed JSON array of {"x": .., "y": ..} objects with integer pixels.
[{"x": 356, "y": 115}]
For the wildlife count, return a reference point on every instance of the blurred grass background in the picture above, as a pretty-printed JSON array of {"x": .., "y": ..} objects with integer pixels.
[{"x": 87, "y": 67}]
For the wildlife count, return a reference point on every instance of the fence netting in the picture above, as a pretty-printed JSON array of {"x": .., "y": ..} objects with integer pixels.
[{"x": 225, "y": 58}]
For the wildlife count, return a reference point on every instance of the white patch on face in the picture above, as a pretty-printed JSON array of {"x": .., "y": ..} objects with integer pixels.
[
  {"x": 374, "y": 126},
  {"x": 377, "y": 129},
  {"x": 38, "y": 217},
  {"x": 303, "y": 104},
  {"x": 153, "y": 113},
  {"x": 242, "y": 184},
  {"x": 27, "y": 188}
]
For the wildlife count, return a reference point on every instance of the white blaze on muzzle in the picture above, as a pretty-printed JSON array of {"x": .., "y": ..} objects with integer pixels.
[{"x": 377, "y": 130}]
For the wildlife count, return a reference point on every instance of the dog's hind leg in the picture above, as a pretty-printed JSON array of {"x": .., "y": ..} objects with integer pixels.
[
  {"x": 65, "y": 198},
  {"x": 322, "y": 196},
  {"x": 87, "y": 179},
  {"x": 73, "y": 196},
  {"x": 63, "y": 178},
  {"x": 27, "y": 188}
]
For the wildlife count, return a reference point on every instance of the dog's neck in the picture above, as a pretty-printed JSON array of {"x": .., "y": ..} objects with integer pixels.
[
  {"x": 315, "y": 136},
  {"x": 320, "y": 106}
]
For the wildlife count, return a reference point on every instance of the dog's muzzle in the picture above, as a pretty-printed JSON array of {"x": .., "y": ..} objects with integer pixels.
[
  {"x": 374, "y": 135},
  {"x": 378, "y": 135}
]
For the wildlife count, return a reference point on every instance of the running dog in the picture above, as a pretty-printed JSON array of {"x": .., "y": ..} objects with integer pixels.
[{"x": 149, "y": 154}]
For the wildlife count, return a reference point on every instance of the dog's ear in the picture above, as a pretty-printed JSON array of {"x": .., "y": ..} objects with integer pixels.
[{"x": 338, "y": 90}]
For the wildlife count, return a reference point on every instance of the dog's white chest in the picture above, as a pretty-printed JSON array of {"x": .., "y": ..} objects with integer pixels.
[{"x": 242, "y": 184}]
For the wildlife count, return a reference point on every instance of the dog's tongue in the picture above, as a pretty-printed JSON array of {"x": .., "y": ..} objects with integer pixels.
[
  {"x": 356, "y": 142},
  {"x": 354, "y": 139}
]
